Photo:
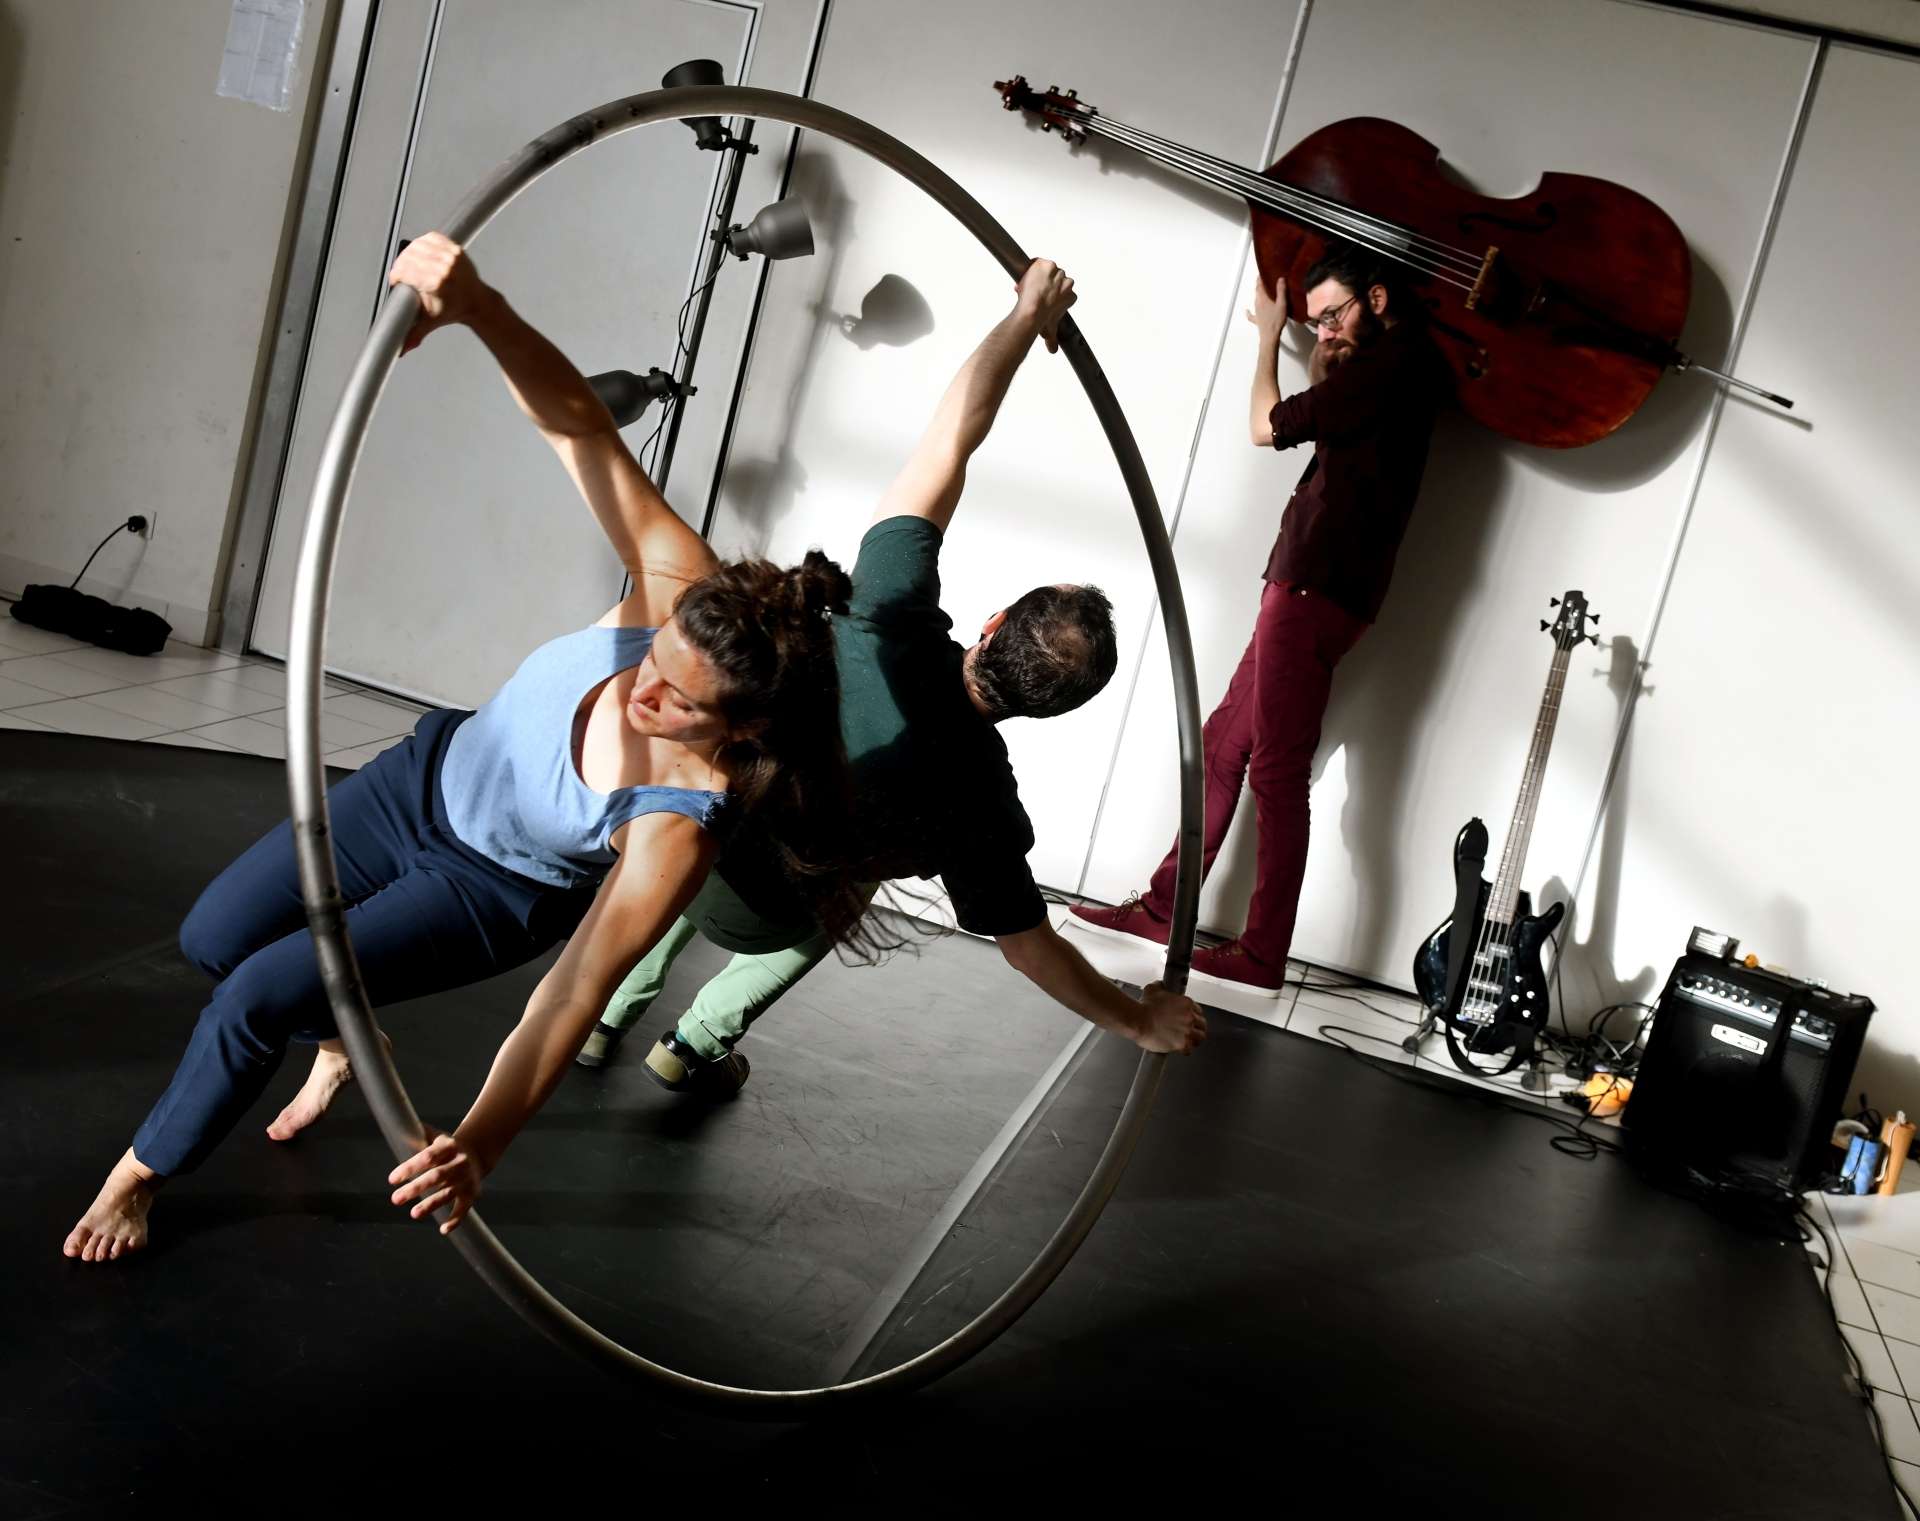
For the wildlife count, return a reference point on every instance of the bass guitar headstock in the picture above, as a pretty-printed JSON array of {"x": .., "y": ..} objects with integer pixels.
[
  {"x": 1056, "y": 110},
  {"x": 1570, "y": 626}
]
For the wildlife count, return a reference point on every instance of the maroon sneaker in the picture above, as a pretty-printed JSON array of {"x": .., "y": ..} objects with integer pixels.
[
  {"x": 1132, "y": 919},
  {"x": 1232, "y": 962}
]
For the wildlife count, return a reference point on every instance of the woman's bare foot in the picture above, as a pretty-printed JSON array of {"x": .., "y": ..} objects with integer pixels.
[
  {"x": 331, "y": 1072},
  {"x": 116, "y": 1222}
]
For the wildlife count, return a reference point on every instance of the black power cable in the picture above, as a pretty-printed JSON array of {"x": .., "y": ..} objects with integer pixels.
[{"x": 134, "y": 524}]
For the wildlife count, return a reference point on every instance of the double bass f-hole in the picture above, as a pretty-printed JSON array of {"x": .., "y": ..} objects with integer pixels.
[
  {"x": 1546, "y": 216},
  {"x": 1474, "y": 359}
]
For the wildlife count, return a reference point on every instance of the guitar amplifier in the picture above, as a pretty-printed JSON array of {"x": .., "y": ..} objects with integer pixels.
[{"x": 1744, "y": 1072}]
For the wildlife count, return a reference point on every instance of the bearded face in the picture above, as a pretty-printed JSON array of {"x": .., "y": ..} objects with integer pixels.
[
  {"x": 1345, "y": 322},
  {"x": 1366, "y": 331}
]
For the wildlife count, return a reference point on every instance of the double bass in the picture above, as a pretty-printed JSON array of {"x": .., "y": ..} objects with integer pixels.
[{"x": 1556, "y": 311}]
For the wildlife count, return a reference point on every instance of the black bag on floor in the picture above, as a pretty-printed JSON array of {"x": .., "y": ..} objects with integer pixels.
[{"x": 62, "y": 610}]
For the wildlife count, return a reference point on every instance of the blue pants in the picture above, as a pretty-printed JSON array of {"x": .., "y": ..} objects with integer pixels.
[{"x": 427, "y": 913}]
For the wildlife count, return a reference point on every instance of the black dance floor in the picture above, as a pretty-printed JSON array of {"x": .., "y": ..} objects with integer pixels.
[{"x": 1318, "y": 1287}]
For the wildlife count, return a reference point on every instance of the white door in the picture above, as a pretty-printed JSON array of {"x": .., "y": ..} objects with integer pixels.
[{"x": 464, "y": 544}]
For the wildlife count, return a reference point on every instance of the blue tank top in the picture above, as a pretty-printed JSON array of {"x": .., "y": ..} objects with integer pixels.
[{"x": 511, "y": 789}]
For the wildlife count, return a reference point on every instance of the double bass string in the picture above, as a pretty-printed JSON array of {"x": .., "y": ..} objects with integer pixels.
[
  {"x": 1400, "y": 245},
  {"x": 1353, "y": 226},
  {"x": 1393, "y": 243},
  {"x": 1250, "y": 180}
]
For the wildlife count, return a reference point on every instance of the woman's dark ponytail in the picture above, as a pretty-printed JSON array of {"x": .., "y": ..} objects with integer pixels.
[
  {"x": 769, "y": 633},
  {"x": 820, "y": 587}
]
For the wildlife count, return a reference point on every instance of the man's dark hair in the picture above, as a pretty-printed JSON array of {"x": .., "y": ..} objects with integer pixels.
[
  {"x": 1360, "y": 269},
  {"x": 1054, "y": 652}
]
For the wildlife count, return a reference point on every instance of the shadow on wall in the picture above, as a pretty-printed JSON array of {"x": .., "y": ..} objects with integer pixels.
[
  {"x": 893, "y": 314},
  {"x": 1588, "y": 980},
  {"x": 763, "y": 487},
  {"x": 1389, "y": 689}
]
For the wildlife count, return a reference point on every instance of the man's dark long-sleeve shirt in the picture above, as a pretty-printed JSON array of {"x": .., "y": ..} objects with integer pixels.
[{"x": 1370, "y": 422}]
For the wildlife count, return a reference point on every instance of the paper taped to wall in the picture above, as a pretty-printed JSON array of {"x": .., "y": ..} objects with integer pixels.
[{"x": 257, "y": 63}]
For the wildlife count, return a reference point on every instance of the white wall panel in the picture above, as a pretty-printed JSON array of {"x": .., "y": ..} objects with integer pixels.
[
  {"x": 834, "y": 404},
  {"x": 1767, "y": 788},
  {"x": 1432, "y": 714}
]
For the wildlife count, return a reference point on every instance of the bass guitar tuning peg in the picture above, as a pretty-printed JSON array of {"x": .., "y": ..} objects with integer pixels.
[
  {"x": 1595, "y": 617},
  {"x": 1553, "y": 602},
  {"x": 1593, "y": 638},
  {"x": 1544, "y": 625}
]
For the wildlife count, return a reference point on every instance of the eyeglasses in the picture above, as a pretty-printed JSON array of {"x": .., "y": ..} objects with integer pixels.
[{"x": 1329, "y": 320}]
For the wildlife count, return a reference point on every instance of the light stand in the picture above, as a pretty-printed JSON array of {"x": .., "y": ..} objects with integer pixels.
[{"x": 779, "y": 231}]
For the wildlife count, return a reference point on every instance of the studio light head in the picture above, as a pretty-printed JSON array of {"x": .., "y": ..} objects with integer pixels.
[
  {"x": 627, "y": 395},
  {"x": 780, "y": 231},
  {"x": 707, "y": 130}
]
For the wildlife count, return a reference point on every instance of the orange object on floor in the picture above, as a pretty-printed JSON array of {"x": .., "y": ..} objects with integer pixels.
[{"x": 1606, "y": 1094}]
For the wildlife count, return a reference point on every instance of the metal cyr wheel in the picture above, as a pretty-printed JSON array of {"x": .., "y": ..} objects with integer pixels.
[{"x": 306, "y": 776}]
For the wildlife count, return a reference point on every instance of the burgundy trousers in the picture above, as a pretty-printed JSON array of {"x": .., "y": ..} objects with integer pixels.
[{"x": 1263, "y": 735}]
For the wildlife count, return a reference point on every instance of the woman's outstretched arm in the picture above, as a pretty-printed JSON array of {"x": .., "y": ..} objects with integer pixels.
[
  {"x": 663, "y": 860},
  {"x": 660, "y": 552}
]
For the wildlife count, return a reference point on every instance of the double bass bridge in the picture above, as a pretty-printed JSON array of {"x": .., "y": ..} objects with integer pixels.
[{"x": 1480, "y": 280}]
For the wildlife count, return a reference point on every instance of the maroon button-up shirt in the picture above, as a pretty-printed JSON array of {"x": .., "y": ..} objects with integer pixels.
[{"x": 1370, "y": 422}]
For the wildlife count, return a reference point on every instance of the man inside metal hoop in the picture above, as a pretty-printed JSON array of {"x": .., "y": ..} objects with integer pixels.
[{"x": 935, "y": 790}]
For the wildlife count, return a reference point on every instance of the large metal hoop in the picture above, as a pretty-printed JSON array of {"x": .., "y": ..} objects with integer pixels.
[{"x": 306, "y": 776}]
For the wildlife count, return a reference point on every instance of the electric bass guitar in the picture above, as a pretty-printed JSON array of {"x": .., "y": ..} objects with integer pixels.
[{"x": 1479, "y": 973}]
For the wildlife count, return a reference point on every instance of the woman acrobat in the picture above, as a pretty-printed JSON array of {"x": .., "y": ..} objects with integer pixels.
[{"x": 583, "y": 802}]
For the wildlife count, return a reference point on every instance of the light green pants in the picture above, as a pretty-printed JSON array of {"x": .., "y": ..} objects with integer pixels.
[{"x": 768, "y": 959}]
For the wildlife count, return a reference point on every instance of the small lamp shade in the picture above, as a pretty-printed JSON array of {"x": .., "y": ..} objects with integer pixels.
[
  {"x": 707, "y": 130},
  {"x": 779, "y": 231},
  {"x": 627, "y": 395}
]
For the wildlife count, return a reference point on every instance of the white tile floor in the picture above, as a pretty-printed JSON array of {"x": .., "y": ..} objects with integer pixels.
[
  {"x": 1876, "y": 1294},
  {"x": 181, "y": 696}
]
